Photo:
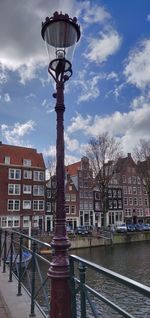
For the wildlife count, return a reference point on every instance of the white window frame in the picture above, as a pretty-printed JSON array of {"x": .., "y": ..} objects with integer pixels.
[
  {"x": 27, "y": 162},
  {"x": 27, "y": 189},
  {"x": 27, "y": 174},
  {"x": 38, "y": 190},
  {"x": 27, "y": 204},
  {"x": 37, "y": 203},
  {"x": 38, "y": 176},
  {"x": 16, "y": 188},
  {"x": 7, "y": 160},
  {"x": 15, "y": 172},
  {"x": 13, "y": 208}
]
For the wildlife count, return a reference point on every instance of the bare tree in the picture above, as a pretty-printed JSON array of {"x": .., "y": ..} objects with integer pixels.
[
  {"x": 103, "y": 152},
  {"x": 142, "y": 156},
  {"x": 51, "y": 166}
]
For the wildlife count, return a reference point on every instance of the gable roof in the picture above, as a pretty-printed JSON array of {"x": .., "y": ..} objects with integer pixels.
[
  {"x": 73, "y": 168},
  {"x": 17, "y": 154}
]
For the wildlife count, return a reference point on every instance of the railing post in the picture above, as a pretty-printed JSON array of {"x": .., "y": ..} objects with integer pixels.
[
  {"x": 0, "y": 245},
  {"x": 32, "y": 313},
  {"x": 73, "y": 290},
  {"x": 11, "y": 258},
  {"x": 20, "y": 261},
  {"x": 82, "y": 270},
  {"x": 5, "y": 252}
]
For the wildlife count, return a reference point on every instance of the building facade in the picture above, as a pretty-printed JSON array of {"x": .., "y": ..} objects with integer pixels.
[
  {"x": 135, "y": 199},
  {"x": 22, "y": 187}
]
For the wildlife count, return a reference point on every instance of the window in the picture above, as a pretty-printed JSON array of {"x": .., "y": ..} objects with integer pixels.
[
  {"x": 134, "y": 190},
  {"x": 26, "y": 204},
  {"x": 13, "y": 205},
  {"x": 125, "y": 189},
  {"x": 114, "y": 193},
  {"x": 81, "y": 206},
  {"x": 115, "y": 204},
  {"x": 15, "y": 174},
  {"x": 97, "y": 195},
  {"x": 125, "y": 201},
  {"x": 130, "y": 190},
  {"x": 124, "y": 179},
  {"x": 73, "y": 197},
  {"x": 67, "y": 197},
  {"x": 48, "y": 206},
  {"x": 135, "y": 202},
  {"x": 38, "y": 190},
  {"x": 4, "y": 221},
  {"x": 146, "y": 201},
  {"x": 73, "y": 209},
  {"x": 119, "y": 193},
  {"x": 130, "y": 201},
  {"x": 138, "y": 180},
  {"x": 7, "y": 160},
  {"x": 140, "y": 201},
  {"x": 67, "y": 209},
  {"x": 27, "y": 162},
  {"x": 48, "y": 193},
  {"x": 139, "y": 212},
  {"x": 97, "y": 206},
  {"x": 27, "y": 189},
  {"x": 128, "y": 213},
  {"x": 119, "y": 204},
  {"x": 110, "y": 204},
  {"x": 38, "y": 176},
  {"x": 129, "y": 180},
  {"x": 27, "y": 174},
  {"x": 14, "y": 189},
  {"x": 38, "y": 205},
  {"x": 134, "y": 179}
]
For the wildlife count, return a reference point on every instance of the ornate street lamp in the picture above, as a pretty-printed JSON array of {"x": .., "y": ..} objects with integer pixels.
[{"x": 60, "y": 34}]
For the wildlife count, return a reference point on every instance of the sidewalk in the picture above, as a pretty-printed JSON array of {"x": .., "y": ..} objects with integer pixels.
[
  {"x": 4, "y": 312},
  {"x": 11, "y": 305}
]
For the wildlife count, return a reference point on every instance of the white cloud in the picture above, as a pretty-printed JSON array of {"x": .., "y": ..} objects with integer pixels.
[
  {"x": 21, "y": 47},
  {"x": 47, "y": 106},
  {"x": 79, "y": 123},
  {"x": 7, "y": 98},
  {"x": 148, "y": 17},
  {"x": 137, "y": 68},
  {"x": 100, "y": 48},
  {"x": 50, "y": 152},
  {"x": 89, "y": 89},
  {"x": 3, "y": 75},
  {"x": 128, "y": 127},
  {"x": 93, "y": 13},
  {"x": 71, "y": 144},
  {"x": 14, "y": 134},
  {"x": 141, "y": 101}
]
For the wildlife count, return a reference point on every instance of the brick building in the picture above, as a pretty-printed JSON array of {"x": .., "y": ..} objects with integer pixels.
[
  {"x": 22, "y": 187},
  {"x": 135, "y": 199},
  {"x": 81, "y": 176}
]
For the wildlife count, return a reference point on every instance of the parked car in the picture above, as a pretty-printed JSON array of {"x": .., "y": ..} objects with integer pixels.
[
  {"x": 139, "y": 227},
  {"x": 146, "y": 227},
  {"x": 81, "y": 230},
  {"x": 131, "y": 227},
  {"x": 121, "y": 228}
]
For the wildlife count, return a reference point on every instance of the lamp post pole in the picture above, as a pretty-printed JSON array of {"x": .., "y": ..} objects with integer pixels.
[{"x": 60, "y": 34}]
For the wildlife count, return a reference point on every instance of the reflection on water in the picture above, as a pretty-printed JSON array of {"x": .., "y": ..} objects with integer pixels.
[{"x": 130, "y": 260}]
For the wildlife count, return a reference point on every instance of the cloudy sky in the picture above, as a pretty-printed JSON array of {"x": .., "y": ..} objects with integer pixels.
[{"x": 110, "y": 87}]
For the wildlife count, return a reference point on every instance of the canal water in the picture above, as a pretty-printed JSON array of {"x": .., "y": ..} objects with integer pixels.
[{"x": 130, "y": 260}]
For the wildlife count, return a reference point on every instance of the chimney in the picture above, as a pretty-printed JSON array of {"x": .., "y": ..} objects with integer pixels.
[{"x": 129, "y": 154}]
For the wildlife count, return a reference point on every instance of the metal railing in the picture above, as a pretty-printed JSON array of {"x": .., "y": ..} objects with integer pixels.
[
  {"x": 100, "y": 292},
  {"x": 27, "y": 266},
  {"x": 96, "y": 291}
]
